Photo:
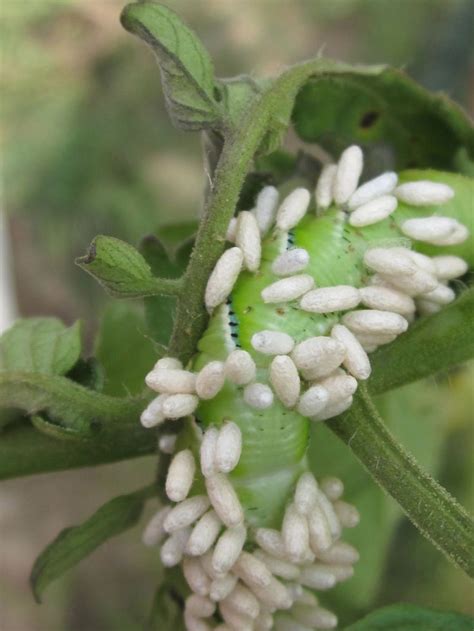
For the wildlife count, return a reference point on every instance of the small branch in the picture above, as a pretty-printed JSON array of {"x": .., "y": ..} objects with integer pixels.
[
  {"x": 168, "y": 286},
  {"x": 437, "y": 515}
]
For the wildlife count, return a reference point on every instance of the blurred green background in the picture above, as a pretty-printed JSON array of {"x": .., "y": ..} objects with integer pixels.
[{"x": 88, "y": 149}]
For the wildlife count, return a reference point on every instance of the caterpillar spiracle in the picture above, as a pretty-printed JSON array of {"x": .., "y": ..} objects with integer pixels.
[{"x": 308, "y": 288}]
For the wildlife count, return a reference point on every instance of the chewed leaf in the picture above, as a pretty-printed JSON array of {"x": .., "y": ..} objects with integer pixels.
[
  {"x": 74, "y": 544},
  {"x": 120, "y": 268},
  {"x": 42, "y": 345},
  {"x": 405, "y": 617},
  {"x": 387, "y": 109},
  {"x": 185, "y": 65}
]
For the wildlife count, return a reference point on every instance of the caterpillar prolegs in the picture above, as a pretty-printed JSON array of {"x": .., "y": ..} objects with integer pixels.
[{"x": 307, "y": 290}]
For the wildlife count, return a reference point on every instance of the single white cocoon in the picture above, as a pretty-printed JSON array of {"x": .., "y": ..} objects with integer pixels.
[
  {"x": 320, "y": 537},
  {"x": 332, "y": 487},
  {"x": 426, "y": 307},
  {"x": 204, "y": 534},
  {"x": 196, "y": 577},
  {"x": 295, "y": 534},
  {"x": 270, "y": 541},
  {"x": 375, "y": 321},
  {"x": 356, "y": 360},
  {"x": 290, "y": 262},
  {"x": 185, "y": 513},
  {"x": 221, "y": 587},
  {"x": 153, "y": 414},
  {"x": 333, "y": 409},
  {"x": 387, "y": 299},
  {"x": 167, "y": 443},
  {"x": 243, "y": 601},
  {"x": 178, "y": 405},
  {"x": 306, "y": 493},
  {"x": 349, "y": 169},
  {"x": 339, "y": 387},
  {"x": 224, "y": 499},
  {"x": 168, "y": 363},
  {"x": 258, "y": 396},
  {"x": 154, "y": 531},
  {"x": 324, "y": 186},
  {"x": 223, "y": 277},
  {"x": 228, "y": 447},
  {"x": 274, "y": 595},
  {"x": 265, "y": 208},
  {"x": 231, "y": 230},
  {"x": 284, "y": 569},
  {"x": 418, "y": 283},
  {"x": 424, "y": 193},
  {"x": 171, "y": 381},
  {"x": 247, "y": 238},
  {"x": 315, "y": 617},
  {"x": 171, "y": 552},
  {"x": 317, "y": 577},
  {"x": 292, "y": 209},
  {"x": 199, "y": 606},
  {"x": 287, "y": 289},
  {"x": 347, "y": 514},
  {"x": 340, "y": 553},
  {"x": 272, "y": 342},
  {"x": 381, "y": 185},
  {"x": 240, "y": 368},
  {"x": 457, "y": 236},
  {"x": 329, "y": 299},
  {"x": 234, "y": 619},
  {"x": 180, "y": 475},
  {"x": 313, "y": 401},
  {"x": 285, "y": 380},
  {"x": 210, "y": 380},
  {"x": 390, "y": 261},
  {"x": 228, "y": 548},
  {"x": 252, "y": 571},
  {"x": 208, "y": 452},
  {"x": 423, "y": 262},
  {"x": 449, "y": 267},
  {"x": 441, "y": 295},
  {"x": 318, "y": 356},
  {"x": 429, "y": 229},
  {"x": 371, "y": 212}
]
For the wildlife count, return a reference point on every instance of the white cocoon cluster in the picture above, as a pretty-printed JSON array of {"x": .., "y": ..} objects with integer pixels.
[
  {"x": 223, "y": 277},
  {"x": 265, "y": 208},
  {"x": 285, "y": 380},
  {"x": 258, "y": 395},
  {"x": 178, "y": 405},
  {"x": 375, "y": 321},
  {"x": 287, "y": 289},
  {"x": 247, "y": 238},
  {"x": 290, "y": 262},
  {"x": 228, "y": 548},
  {"x": 171, "y": 381},
  {"x": 387, "y": 299},
  {"x": 381, "y": 185},
  {"x": 313, "y": 401},
  {"x": 154, "y": 531},
  {"x": 210, "y": 380},
  {"x": 356, "y": 360},
  {"x": 167, "y": 443},
  {"x": 292, "y": 209},
  {"x": 196, "y": 577},
  {"x": 318, "y": 356},
  {"x": 153, "y": 414},
  {"x": 424, "y": 193},
  {"x": 208, "y": 452},
  {"x": 329, "y": 299},
  {"x": 429, "y": 229},
  {"x": 390, "y": 261},
  {"x": 441, "y": 295},
  {"x": 306, "y": 493},
  {"x": 240, "y": 367},
  {"x": 185, "y": 513},
  {"x": 295, "y": 534},
  {"x": 228, "y": 447},
  {"x": 204, "y": 534},
  {"x": 349, "y": 169},
  {"x": 371, "y": 212},
  {"x": 180, "y": 476},
  {"x": 252, "y": 571},
  {"x": 325, "y": 185},
  {"x": 272, "y": 342},
  {"x": 449, "y": 267},
  {"x": 224, "y": 500}
]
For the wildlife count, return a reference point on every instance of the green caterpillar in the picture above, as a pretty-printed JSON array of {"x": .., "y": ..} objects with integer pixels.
[{"x": 254, "y": 521}]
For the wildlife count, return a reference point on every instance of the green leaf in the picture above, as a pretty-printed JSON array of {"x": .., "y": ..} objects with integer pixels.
[
  {"x": 385, "y": 109},
  {"x": 68, "y": 403},
  {"x": 186, "y": 67},
  {"x": 122, "y": 270},
  {"x": 432, "y": 344},
  {"x": 25, "y": 451},
  {"x": 124, "y": 350},
  {"x": 459, "y": 207},
  {"x": 42, "y": 345},
  {"x": 406, "y": 617},
  {"x": 167, "y": 609},
  {"x": 74, "y": 544}
]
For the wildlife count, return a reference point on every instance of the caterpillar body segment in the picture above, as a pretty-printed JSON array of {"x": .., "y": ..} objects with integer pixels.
[{"x": 277, "y": 356}]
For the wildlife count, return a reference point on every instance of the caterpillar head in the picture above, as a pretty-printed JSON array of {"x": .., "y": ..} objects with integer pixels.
[{"x": 308, "y": 288}]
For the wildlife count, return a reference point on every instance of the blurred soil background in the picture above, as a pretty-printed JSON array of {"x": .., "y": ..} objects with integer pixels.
[{"x": 87, "y": 148}]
